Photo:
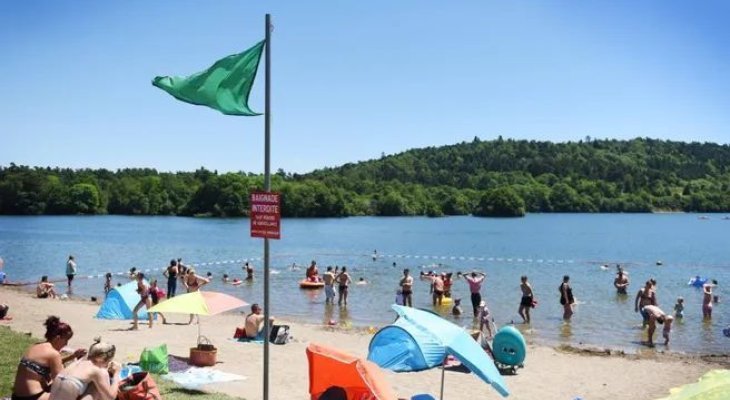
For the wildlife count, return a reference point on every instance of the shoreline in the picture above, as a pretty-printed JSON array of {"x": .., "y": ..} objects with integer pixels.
[{"x": 562, "y": 372}]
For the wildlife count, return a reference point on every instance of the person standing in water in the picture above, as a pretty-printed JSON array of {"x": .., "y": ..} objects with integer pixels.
[
  {"x": 249, "y": 271},
  {"x": 406, "y": 285},
  {"x": 645, "y": 297},
  {"x": 329, "y": 286},
  {"x": 475, "y": 280},
  {"x": 343, "y": 281},
  {"x": 655, "y": 314},
  {"x": 70, "y": 272},
  {"x": 707, "y": 301},
  {"x": 171, "y": 274},
  {"x": 566, "y": 298},
  {"x": 621, "y": 283},
  {"x": 526, "y": 301}
]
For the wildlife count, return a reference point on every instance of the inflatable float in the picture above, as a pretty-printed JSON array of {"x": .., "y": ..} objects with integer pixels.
[
  {"x": 697, "y": 281},
  {"x": 305, "y": 284},
  {"x": 447, "y": 301},
  {"x": 509, "y": 347}
]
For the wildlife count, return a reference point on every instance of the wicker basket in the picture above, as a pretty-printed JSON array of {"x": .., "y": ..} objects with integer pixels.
[{"x": 204, "y": 354}]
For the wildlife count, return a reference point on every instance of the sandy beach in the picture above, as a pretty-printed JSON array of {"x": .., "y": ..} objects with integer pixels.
[{"x": 549, "y": 373}]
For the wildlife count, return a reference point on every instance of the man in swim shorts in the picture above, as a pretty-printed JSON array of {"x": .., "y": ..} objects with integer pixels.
[
  {"x": 343, "y": 281},
  {"x": 329, "y": 286},
  {"x": 526, "y": 300},
  {"x": 406, "y": 285}
]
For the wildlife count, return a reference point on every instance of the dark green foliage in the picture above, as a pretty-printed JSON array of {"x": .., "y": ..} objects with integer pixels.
[{"x": 499, "y": 177}]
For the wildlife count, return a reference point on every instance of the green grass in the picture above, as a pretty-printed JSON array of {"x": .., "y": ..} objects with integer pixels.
[{"x": 14, "y": 345}]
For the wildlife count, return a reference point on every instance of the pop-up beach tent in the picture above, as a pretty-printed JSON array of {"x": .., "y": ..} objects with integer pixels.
[
  {"x": 332, "y": 371},
  {"x": 403, "y": 347},
  {"x": 120, "y": 302}
]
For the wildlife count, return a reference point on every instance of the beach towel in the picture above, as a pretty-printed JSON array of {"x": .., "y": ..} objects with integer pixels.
[{"x": 194, "y": 377}]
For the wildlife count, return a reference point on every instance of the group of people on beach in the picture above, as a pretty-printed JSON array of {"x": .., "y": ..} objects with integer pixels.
[
  {"x": 45, "y": 372},
  {"x": 336, "y": 282}
]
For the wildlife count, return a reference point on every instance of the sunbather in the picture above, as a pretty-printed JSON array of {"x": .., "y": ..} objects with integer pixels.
[{"x": 95, "y": 377}]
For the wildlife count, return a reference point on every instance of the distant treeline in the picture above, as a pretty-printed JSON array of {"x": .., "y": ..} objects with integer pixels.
[{"x": 499, "y": 177}]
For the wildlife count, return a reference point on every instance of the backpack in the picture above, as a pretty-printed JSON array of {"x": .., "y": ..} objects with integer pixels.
[{"x": 279, "y": 334}]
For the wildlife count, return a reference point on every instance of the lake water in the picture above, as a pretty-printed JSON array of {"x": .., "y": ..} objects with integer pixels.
[{"x": 542, "y": 246}]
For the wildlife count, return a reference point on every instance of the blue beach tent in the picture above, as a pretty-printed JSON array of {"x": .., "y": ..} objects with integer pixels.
[
  {"x": 120, "y": 302},
  {"x": 402, "y": 347}
]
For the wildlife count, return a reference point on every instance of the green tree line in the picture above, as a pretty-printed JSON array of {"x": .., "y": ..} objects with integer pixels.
[{"x": 487, "y": 178}]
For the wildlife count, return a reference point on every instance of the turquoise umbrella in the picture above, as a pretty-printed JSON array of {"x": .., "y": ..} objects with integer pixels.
[{"x": 458, "y": 343}]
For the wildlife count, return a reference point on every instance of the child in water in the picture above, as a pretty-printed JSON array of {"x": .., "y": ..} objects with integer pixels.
[
  {"x": 457, "y": 308},
  {"x": 679, "y": 308},
  {"x": 484, "y": 318}
]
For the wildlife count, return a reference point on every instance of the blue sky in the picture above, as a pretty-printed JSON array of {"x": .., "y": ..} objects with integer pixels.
[{"x": 352, "y": 80}]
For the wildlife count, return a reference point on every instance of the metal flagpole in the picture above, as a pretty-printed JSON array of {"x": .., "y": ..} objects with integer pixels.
[{"x": 267, "y": 188}]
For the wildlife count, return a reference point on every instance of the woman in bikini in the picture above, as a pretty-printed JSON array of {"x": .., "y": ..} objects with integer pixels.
[
  {"x": 43, "y": 361},
  {"x": 144, "y": 300},
  {"x": 90, "y": 377},
  {"x": 193, "y": 283},
  {"x": 45, "y": 289}
]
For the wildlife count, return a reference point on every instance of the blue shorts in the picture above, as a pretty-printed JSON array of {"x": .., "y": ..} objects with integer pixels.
[
  {"x": 644, "y": 314},
  {"x": 329, "y": 291}
]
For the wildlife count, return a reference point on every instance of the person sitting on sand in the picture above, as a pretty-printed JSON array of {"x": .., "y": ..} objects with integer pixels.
[
  {"x": 621, "y": 283},
  {"x": 43, "y": 361},
  {"x": 144, "y": 301},
  {"x": 4, "y": 308},
  {"x": 45, "y": 289},
  {"x": 312, "y": 274},
  {"x": 255, "y": 323},
  {"x": 95, "y": 377},
  {"x": 655, "y": 315}
]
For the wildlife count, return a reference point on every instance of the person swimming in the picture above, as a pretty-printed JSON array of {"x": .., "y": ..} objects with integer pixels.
[{"x": 362, "y": 281}]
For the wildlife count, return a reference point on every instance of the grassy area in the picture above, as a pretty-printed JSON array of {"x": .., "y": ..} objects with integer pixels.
[{"x": 14, "y": 345}]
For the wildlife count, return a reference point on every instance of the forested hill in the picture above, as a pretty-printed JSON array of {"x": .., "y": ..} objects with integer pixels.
[{"x": 499, "y": 177}]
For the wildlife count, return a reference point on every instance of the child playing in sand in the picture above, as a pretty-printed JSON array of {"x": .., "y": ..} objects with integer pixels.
[
  {"x": 484, "y": 318},
  {"x": 679, "y": 308}
]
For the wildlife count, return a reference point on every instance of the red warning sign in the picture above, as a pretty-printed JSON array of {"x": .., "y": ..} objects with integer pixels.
[{"x": 265, "y": 215}]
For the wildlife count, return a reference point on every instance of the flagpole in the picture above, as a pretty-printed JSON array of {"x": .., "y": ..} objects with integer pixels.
[{"x": 267, "y": 188}]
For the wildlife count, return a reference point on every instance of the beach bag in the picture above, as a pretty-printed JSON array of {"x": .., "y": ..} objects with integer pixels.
[
  {"x": 139, "y": 386},
  {"x": 154, "y": 360},
  {"x": 279, "y": 334}
]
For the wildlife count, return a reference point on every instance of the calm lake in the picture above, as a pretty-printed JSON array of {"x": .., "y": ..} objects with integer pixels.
[{"x": 543, "y": 246}]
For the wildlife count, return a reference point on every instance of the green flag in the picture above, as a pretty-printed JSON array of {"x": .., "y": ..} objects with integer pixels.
[{"x": 225, "y": 86}]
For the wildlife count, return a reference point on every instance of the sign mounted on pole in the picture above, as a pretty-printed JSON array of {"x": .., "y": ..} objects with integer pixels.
[{"x": 265, "y": 215}]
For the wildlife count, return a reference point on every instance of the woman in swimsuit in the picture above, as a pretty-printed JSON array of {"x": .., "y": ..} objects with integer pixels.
[
  {"x": 76, "y": 379},
  {"x": 45, "y": 289},
  {"x": 42, "y": 362},
  {"x": 144, "y": 300},
  {"x": 566, "y": 298},
  {"x": 193, "y": 283}
]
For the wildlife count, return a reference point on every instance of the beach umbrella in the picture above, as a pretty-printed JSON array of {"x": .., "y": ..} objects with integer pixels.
[
  {"x": 199, "y": 303},
  {"x": 359, "y": 378},
  {"x": 714, "y": 385},
  {"x": 458, "y": 343}
]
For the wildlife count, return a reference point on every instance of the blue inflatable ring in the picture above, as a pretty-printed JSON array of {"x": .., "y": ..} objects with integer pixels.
[
  {"x": 509, "y": 346},
  {"x": 697, "y": 281}
]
